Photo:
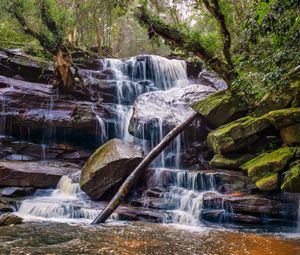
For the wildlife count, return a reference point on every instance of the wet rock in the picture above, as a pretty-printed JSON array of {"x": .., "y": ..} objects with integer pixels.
[
  {"x": 108, "y": 167},
  {"x": 16, "y": 192},
  {"x": 268, "y": 183},
  {"x": 268, "y": 164},
  {"x": 220, "y": 108},
  {"x": 5, "y": 206},
  {"x": 164, "y": 109},
  {"x": 20, "y": 157},
  {"x": 246, "y": 204},
  {"x": 230, "y": 161},
  {"x": 237, "y": 135},
  {"x": 210, "y": 79},
  {"x": 33, "y": 174},
  {"x": 135, "y": 213},
  {"x": 291, "y": 181},
  {"x": 290, "y": 135},
  {"x": 9, "y": 219},
  {"x": 31, "y": 68}
]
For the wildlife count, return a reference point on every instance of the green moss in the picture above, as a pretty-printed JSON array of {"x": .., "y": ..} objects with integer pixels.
[
  {"x": 219, "y": 108},
  {"x": 268, "y": 163},
  {"x": 268, "y": 183},
  {"x": 229, "y": 161},
  {"x": 292, "y": 179},
  {"x": 237, "y": 134},
  {"x": 284, "y": 117}
]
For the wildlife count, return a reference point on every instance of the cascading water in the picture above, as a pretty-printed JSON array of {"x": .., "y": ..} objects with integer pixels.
[{"x": 128, "y": 79}]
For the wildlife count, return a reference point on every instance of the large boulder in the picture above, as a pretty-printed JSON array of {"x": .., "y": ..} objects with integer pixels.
[
  {"x": 220, "y": 108},
  {"x": 230, "y": 161},
  {"x": 163, "y": 110},
  {"x": 237, "y": 134},
  {"x": 108, "y": 167},
  {"x": 265, "y": 168},
  {"x": 291, "y": 181},
  {"x": 267, "y": 164},
  {"x": 33, "y": 174},
  {"x": 291, "y": 135},
  {"x": 284, "y": 117}
]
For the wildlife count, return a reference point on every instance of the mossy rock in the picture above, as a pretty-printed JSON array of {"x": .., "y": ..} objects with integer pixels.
[
  {"x": 291, "y": 181},
  {"x": 268, "y": 163},
  {"x": 231, "y": 161},
  {"x": 291, "y": 135},
  {"x": 268, "y": 183},
  {"x": 220, "y": 108},
  {"x": 237, "y": 134},
  {"x": 108, "y": 167},
  {"x": 279, "y": 99},
  {"x": 284, "y": 117}
]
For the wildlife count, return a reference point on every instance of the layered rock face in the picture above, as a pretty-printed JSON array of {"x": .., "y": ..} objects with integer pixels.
[{"x": 108, "y": 167}]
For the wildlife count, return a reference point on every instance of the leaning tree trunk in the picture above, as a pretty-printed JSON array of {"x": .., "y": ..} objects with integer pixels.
[
  {"x": 63, "y": 70},
  {"x": 133, "y": 177}
]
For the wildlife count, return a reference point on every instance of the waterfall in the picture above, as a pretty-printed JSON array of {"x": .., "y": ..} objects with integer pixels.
[{"x": 66, "y": 202}]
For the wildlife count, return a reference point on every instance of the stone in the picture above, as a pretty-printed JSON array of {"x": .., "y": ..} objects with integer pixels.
[
  {"x": 275, "y": 99},
  {"x": 291, "y": 182},
  {"x": 237, "y": 135},
  {"x": 270, "y": 163},
  {"x": 220, "y": 108},
  {"x": 209, "y": 79},
  {"x": 33, "y": 174},
  {"x": 290, "y": 135},
  {"x": 164, "y": 110},
  {"x": 268, "y": 183},
  {"x": 17, "y": 192},
  {"x": 230, "y": 161},
  {"x": 108, "y": 167},
  {"x": 9, "y": 219},
  {"x": 284, "y": 117}
]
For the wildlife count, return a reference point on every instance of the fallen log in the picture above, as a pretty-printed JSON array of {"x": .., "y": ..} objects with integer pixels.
[{"x": 133, "y": 177}]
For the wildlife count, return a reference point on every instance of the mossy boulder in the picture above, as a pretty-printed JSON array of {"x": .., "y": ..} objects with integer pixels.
[
  {"x": 237, "y": 134},
  {"x": 284, "y": 117},
  {"x": 220, "y": 108},
  {"x": 268, "y": 183},
  {"x": 278, "y": 99},
  {"x": 291, "y": 135},
  {"x": 230, "y": 161},
  {"x": 108, "y": 167},
  {"x": 291, "y": 181},
  {"x": 267, "y": 164}
]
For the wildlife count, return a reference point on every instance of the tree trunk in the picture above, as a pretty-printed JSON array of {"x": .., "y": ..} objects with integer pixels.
[
  {"x": 63, "y": 70},
  {"x": 133, "y": 177}
]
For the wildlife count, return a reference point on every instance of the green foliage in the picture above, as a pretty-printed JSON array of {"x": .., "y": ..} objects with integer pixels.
[{"x": 272, "y": 36}]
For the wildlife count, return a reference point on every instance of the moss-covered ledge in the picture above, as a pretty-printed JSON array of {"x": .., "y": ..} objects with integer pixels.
[
  {"x": 220, "y": 108},
  {"x": 267, "y": 164}
]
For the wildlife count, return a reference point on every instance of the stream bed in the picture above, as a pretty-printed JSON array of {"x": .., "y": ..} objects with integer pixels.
[{"x": 140, "y": 238}]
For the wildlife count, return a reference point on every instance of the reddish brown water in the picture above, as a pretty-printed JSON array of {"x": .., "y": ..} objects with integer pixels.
[{"x": 138, "y": 238}]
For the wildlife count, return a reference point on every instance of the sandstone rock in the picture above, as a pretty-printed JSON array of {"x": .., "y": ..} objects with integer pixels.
[
  {"x": 237, "y": 135},
  {"x": 230, "y": 161},
  {"x": 284, "y": 117},
  {"x": 9, "y": 219},
  {"x": 268, "y": 183},
  {"x": 267, "y": 164},
  {"x": 164, "y": 110},
  {"x": 290, "y": 135},
  {"x": 108, "y": 167},
  {"x": 291, "y": 181},
  {"x": 220, "y": 108},
  {"x": 16, "y": 191},
  {"x": 33, "y": 174}
]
